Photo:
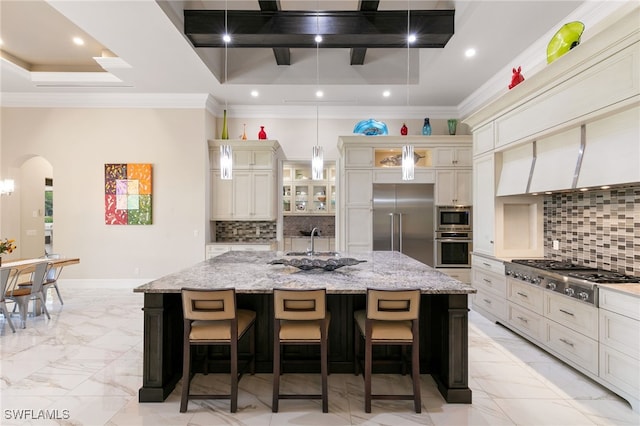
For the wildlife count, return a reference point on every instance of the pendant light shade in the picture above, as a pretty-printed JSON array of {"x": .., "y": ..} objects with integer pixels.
[
  {"x": 226, "y": 162},
  {"x": 317, "y": 163},
  {"x": 408, "y": 163}
]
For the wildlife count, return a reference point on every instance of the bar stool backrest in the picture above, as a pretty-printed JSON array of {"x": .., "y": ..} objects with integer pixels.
[
  {"x": 4, "y": 280},
  {"x": 209, "y": 305},
  {"x": 393, "y": 305},
  {"x": 299, "y": 305}
]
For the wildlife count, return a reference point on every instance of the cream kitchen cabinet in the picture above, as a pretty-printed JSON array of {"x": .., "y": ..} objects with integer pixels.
[
  {"x": 619, "y": 339},
  {"x": 452, "y": 157},
  {"x": 453, "y": 187},
  {"x": 487, "y": 276},
  {"x": 251, "y": 194},
  {"x": 303, "y": 196},
  {"x": 216, "y": 249},
  {"x": 248, "y": 196},
  {"x": 484, "y": 208}
]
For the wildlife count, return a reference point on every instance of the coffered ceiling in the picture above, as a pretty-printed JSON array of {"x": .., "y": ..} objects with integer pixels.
[{"x": 139, "y": 47}]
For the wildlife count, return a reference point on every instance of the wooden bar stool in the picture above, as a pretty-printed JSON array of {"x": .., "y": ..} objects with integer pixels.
[
  {"x": 300, "y": 318},
  {"x": 391, "y": 318},
  {"x": 211, "y": 318}
]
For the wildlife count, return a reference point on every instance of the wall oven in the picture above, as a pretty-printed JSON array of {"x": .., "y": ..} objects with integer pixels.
[
  {"x": 453, "y": 249},
  {"x": 453, "y": 218}
]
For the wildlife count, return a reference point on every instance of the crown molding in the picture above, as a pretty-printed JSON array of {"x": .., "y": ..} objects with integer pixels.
[{"x": 103, "y": 100}]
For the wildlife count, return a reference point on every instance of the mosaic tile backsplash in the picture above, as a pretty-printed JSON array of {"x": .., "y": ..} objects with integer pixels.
[
  {"x": 245, "y": 231},
  {"x": 595, "y": 228}
]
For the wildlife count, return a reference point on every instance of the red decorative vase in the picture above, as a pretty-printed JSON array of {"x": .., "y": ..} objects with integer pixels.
[
  {"x": 404, "y": 130},
  {"x": 262, "y": 134}
]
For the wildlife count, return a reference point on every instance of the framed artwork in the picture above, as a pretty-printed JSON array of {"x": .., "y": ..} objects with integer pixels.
[{"x": 127, "y": 194}]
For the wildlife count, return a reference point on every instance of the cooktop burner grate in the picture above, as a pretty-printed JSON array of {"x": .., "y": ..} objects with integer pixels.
[{"x": 603, "y": 277}]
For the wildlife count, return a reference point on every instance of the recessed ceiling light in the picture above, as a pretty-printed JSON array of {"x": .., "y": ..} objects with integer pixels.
[
  {"x": 318, "y": 38},
  {"x": 411, "y": 38},
  {"x": 226, "y": 38},
  {"x": 386, "y": 93},
  {"x": 584, "y": 189},
  {"x": 254, "y": 93},
  {"x": 319, "y": 94},
  {"x": 470, "y": 53},
  {"x": 605, "y": 187},
  {"x": 78, "y": 41}
]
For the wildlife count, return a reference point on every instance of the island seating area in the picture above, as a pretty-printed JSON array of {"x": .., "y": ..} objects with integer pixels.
[{"x": 443, "y": 316}]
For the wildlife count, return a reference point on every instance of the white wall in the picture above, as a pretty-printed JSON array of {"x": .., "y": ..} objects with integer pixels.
[{"x": 77, "y": 143}]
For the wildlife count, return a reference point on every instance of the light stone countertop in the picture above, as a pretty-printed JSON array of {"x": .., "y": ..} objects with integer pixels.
[
  {"x": 250, "y": 272},
  {"x": 630, "y": 289}
]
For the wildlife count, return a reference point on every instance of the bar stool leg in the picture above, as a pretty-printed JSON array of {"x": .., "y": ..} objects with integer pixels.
[
  {"x": 276, "y": 367},
  {"x": 234, "y": 374},
  {"x": 324, "y": 368},
  {"x": 186, "y": 370},
  {"x": 368, "y": 359}
]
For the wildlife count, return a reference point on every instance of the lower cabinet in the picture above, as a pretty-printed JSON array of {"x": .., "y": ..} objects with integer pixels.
[
  {"x": 461, "y": 274},
  {"x": 619, "y": 336},
  {"x": 487, "y": 276}
]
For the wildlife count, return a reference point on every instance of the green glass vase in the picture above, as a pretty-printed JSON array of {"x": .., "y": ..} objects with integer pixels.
[{"x": 225, "y": 131}]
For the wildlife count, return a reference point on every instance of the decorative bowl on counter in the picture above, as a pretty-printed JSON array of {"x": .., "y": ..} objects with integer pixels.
[{"x": 307, "y": 264}]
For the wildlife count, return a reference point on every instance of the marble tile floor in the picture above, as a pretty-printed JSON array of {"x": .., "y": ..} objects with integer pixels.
[{"x": 84, "y": 366}]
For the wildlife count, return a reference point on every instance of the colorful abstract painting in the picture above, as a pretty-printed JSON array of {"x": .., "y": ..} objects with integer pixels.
[{"x": 127, "y": 194}]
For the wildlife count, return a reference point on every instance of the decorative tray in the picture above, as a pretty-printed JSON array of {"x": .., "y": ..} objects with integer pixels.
[{"x": 330, "y": 264}]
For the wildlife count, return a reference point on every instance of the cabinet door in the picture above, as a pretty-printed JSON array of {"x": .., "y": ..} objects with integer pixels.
[
  {"x": 242, "y": 195},
  {"x": 484, "y": 205},
  {"x": 445, "y": 187},
  {"x": 452, "y": 156},
  {"x": 359, "y": 230},
  {"x": 359, "y": 187},
  {"x": 464, "y": 185},
  {"x": 358, "y": 157},
  {"x": 262, "y": 207},
  {"x": 221, "y": 197}
]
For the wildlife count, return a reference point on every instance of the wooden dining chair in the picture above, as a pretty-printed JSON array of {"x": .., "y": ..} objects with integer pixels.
[
  {"x": 211, "y": 318},
  {"x": 300, "y": 318},
  {"x": 391, "y": 318}
]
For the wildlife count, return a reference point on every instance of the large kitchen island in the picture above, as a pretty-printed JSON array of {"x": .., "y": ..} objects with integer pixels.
[{"x": 443, "y": 315}]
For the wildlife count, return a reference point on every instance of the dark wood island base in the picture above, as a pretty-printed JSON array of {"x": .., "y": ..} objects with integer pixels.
[{"x": 443, "y": 341}]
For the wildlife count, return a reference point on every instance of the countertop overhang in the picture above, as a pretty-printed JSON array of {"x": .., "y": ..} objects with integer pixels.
[{"x": 250, "y": 272}]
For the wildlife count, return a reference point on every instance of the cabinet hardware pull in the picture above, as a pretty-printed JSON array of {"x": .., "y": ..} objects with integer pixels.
[
  {"x": 522, "y": 294},
  {"x": 523, "y": 320},
  {"x": 566, "y": 342},
  {"x": 487, "y": 264},
  {"x": 487, "y": 301},
  {"x": 566, "y": 312},
  {"x": 486, "y": 280}
]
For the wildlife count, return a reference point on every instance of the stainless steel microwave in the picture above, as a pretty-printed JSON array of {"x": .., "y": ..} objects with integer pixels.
[{"x": 453, "y": 218}]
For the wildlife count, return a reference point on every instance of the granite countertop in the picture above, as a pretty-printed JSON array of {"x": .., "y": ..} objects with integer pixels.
[{"x": 250, "y": 272}]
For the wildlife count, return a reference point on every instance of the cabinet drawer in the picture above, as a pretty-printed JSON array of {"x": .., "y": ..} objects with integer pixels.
[
  {"x": 490, "y": 282},
  {"x": 493, "y": 265},
  {"x": 213, "y": 250},
  {"x": 620, "y": 370},
  {"x": 496, "y": 306},
  {"x": 527, "y": 322},
  {"x": 620, "y": 303},
  {"x": 576, "y": 347},
  {"x": 526, "y": 295},
  {"x": 572, "y": 314},
  {"x": 460, "y": 274},
  {"x": 620, "y": 332}
]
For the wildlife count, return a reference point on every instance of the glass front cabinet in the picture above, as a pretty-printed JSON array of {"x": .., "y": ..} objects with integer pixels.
[{"x": 303, "y": 196}]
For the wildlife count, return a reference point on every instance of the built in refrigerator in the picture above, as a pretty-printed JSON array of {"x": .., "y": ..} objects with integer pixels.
[{"x": 403, "y": 219}]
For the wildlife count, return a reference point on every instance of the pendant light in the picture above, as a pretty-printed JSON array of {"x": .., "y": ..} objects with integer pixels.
[
  {"x": 226, "y": 154},
  {"x": 317, "y": 157},
  {"x": 408, "y": 163}
]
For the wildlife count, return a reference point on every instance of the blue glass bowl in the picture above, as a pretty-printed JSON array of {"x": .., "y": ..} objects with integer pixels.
[{"x": 371, "y": 127}]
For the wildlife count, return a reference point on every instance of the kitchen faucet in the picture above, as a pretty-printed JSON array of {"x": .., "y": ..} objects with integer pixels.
[{"x": 314, "y": 231}]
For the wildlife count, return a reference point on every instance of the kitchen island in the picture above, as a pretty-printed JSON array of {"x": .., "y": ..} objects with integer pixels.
[{"x": 443, "y": 315}]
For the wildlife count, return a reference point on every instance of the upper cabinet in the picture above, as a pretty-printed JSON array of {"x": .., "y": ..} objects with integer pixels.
[
  {"x": 452, "y": 157},
  {"x": 576, "y": 123},
  {"x": 303, "y": 196},
  {"x": 251, "y": 194}
]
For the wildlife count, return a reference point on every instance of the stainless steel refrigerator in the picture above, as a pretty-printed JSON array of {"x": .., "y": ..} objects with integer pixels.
[{"x": 403, "y": 219}]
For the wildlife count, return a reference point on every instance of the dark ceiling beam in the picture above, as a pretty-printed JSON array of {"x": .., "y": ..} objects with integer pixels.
[
  {"x": 340, "y": 29},
  {"x": 358, "y": 53},
  {"x": 282, "y": 54}
]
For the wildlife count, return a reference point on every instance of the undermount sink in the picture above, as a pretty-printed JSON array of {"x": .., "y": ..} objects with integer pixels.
[{"x": 315, "y": 253}]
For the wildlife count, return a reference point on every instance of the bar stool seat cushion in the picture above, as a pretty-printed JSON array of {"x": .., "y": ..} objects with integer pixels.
[
  {"x": 221, "y": 330},
  {"x": 19, "y": 292},
  {"x": 302, "y": 330},
  {"x": 385, "y": 330}
]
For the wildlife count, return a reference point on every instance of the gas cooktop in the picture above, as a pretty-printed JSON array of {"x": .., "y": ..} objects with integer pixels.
[
  {"x": 551, "y": 264},
  {"x": 603, "y": 277}
]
